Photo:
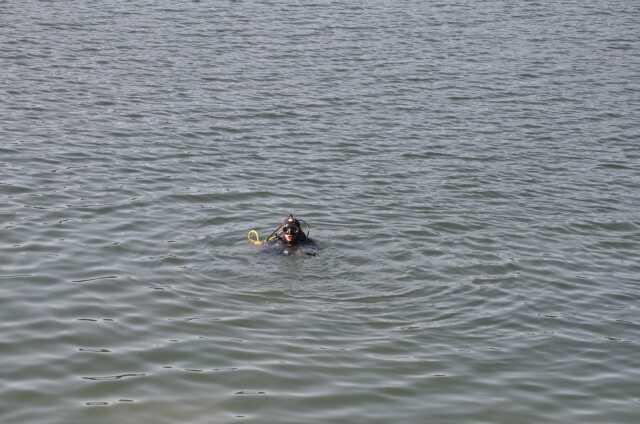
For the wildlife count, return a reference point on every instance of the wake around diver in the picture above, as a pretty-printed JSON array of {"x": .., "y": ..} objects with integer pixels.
[{"x": 288, "y": 238}]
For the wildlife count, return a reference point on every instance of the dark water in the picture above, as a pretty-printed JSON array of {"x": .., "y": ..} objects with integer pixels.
[{"x": 469, "y": 169}]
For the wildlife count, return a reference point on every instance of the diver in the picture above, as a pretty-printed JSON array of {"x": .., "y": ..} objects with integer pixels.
[
  {"x": 291, "y": 232},
  {"x": 288, "y": 239}
]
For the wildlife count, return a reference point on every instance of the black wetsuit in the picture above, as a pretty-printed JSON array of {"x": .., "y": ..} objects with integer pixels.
[{"x": 303, "y": 246}]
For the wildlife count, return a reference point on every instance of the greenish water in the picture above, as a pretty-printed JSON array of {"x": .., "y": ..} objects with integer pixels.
[{"x": 469, "y": 170}]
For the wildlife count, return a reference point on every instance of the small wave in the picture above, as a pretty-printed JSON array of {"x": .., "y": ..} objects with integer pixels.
[
  {"x": 14, "y": 189},
  {"x": 115, "y": 377},
  {"x": 107, "y": 277},
  {"x": 218, "y": 197}
]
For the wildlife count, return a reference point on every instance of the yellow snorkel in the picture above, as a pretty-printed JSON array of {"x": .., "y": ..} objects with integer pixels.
[{"x": 254, "y": 237}]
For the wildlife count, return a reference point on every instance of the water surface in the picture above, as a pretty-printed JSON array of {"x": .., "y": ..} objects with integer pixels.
[{"x": 469, "y": 171}]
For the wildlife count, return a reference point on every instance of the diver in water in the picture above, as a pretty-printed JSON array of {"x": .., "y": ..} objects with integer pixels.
[
  {"x": 289, "y": 239},
  {"x": 291, "y": 233}
]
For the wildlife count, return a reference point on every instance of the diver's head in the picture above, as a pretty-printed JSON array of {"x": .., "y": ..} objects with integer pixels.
[
  {"x": 290, "y": 233},
  {"x": 290, "y": 229}
]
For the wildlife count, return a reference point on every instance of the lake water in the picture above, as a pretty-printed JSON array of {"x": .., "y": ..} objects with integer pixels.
[{"x": 470, "y": 170}]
